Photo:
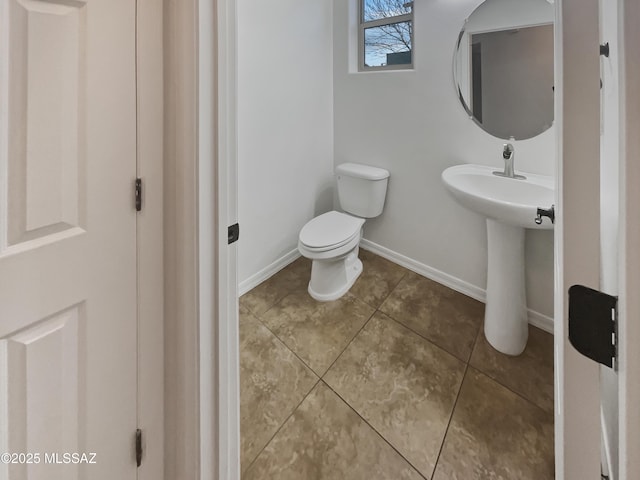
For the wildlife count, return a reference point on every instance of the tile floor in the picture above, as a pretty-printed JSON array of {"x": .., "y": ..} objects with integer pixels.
[{"x": 392, "y": 381}]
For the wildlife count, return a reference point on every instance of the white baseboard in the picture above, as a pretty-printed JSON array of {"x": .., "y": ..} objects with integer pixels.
[
  {"x": 535, "y": 318},
  {"x": 541, "y": 321},
  {"x": 425, "y": 270},
  {"x": 267, "y": 272}
]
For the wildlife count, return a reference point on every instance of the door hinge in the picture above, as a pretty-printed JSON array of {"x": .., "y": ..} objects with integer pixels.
[
  {"x": 138, "y": 447},
  {"x": 138, "y": 194},
  {"x": 233, "y": 233},
  {"x": 593, "y": 319}
]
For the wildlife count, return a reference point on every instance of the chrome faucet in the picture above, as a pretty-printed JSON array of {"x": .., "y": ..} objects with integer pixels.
[{"x": 508, "y": 153}]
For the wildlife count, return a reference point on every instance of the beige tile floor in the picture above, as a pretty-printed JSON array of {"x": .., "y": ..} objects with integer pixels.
[{"x": 393, "y": 381}]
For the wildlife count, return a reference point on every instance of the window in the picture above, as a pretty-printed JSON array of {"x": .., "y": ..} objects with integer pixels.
[{"x": 386, "y": 34}]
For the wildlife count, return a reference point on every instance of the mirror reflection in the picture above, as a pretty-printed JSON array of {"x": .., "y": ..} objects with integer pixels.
[{"x": 503, "y": 67}]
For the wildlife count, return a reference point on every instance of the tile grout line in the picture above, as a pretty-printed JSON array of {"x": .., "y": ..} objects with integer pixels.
[
  {"x": 376, "y": 310},
  {"x": 455, "y": 404},
  {"x": 300, "y": 358},
  {"x": 278, "y": 299},
  {"x": 348, "y": 344},
  {"x": 421, "y": 335},
  {"x": 291, "y": 290},
  {"x": 492, "y": 377},
  {"x": 528, "y": 400},
  {"x": 431, "y": 342},
  {"x": 453, "y": 411},
  {"x": 289, "y": 349},
  {"x": 388, "y": 294},
  {"x": 374, "y": 429},
  {"x": 264, "y": 324},
  {"x": 280, "y": 427}
]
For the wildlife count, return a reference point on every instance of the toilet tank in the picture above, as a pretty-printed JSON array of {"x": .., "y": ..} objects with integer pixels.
[{"x": 362, "y": 189}]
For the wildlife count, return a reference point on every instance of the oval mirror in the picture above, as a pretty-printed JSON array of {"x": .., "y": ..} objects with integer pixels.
[{"x": 503, "y": 67}]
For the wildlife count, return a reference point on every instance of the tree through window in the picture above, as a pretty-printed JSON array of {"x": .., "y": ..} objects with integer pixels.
[{"x": 386, "y": 34}]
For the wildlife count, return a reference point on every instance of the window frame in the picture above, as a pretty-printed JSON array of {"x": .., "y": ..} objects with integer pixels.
[{"x": 362, "y": 26}]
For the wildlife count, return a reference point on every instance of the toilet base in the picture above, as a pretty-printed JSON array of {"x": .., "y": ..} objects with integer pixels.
[{"x": 331, "y": 279}]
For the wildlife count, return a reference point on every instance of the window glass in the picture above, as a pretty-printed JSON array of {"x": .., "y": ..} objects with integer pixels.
[
  {"x": 387, "y": 44},
  {"x": 377, "y": 9}
]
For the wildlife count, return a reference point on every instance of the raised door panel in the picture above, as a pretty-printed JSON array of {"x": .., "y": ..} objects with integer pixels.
[
  {"x": 43, "y": 382},
  {"x": 47, "y": 108}
]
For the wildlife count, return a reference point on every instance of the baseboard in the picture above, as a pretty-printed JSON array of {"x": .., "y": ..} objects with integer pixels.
[
  {"x": 426, "y": 271},
  {"x": 541, "y": 321},
  {"x": 267, "y": 272},
  {"x": 535, "y": 318}
]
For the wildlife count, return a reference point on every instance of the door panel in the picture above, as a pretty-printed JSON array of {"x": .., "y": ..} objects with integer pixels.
[
  {"x": 68, "y": 236},
  {"x": 45, "y": 381},
  {"x": 46, "y": 74}
]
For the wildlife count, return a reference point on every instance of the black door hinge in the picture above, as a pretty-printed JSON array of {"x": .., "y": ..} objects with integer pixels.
[
  {"x": 593, "y": 318},
  {"x": 138, "y": 447},
  {"x": 233, "y": 233},
  {"x": 138, "y": 194}
]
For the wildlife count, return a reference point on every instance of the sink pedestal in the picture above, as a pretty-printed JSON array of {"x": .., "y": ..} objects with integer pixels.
[{"x": 505, "y": 322}]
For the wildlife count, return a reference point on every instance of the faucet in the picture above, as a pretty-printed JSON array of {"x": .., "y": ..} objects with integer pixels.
[{"x": 508, "y": 153}]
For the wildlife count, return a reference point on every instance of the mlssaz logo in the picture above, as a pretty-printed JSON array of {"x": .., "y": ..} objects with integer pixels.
[{"x": 70, "y": 458}]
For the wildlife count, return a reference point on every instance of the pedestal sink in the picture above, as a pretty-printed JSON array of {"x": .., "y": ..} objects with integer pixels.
[{"x": 510, "y": 206}]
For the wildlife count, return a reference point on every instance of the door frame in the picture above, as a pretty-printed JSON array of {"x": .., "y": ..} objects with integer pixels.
[
  {"x": 577, "y": 236},
  {"x": 202, "y": 398},
  {"x": 220, "y": 383},
  {"x": 577, "y": 231},
  {"x": 629, "y": 261},
  {"x": 217, "y": 197},
  {"x": 202, "y": 346},
  {"x": 181, "y": 362},
  {"x": 149, "y": 228}
]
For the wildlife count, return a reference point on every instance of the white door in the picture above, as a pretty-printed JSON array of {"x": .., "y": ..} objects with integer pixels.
[
  {"x": 67, "y": 237},
  {"x": 596, "y": 245}
]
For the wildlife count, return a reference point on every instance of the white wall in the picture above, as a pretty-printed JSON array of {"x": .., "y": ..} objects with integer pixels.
[
  {"x": 411, "y": 123},
  {"x": 609, "y": 213},
  {"x": 285, "y": 125}
]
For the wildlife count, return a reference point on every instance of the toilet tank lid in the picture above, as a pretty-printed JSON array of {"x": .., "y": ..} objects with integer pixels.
[{"x": 362, "y": 171}]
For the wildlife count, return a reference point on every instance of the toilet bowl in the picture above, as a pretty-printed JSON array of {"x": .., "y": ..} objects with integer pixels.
[{"x": 332, "y": 239}]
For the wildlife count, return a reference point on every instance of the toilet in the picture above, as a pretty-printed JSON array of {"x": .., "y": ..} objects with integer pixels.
[{"x": 332, "y": 239}]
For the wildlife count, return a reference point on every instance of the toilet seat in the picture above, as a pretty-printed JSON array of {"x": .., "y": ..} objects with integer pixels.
[{"x": 330, "y": 231}]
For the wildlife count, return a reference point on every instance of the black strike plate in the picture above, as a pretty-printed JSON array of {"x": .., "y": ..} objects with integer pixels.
[
  {"x": 233, "y": 233},
  {"x": 592, "y": 323}
]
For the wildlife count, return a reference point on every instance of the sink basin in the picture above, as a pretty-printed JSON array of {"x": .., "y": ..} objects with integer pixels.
[
  {"x": 510, "y": 205},
  {"x": 507, "y": 200}
]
